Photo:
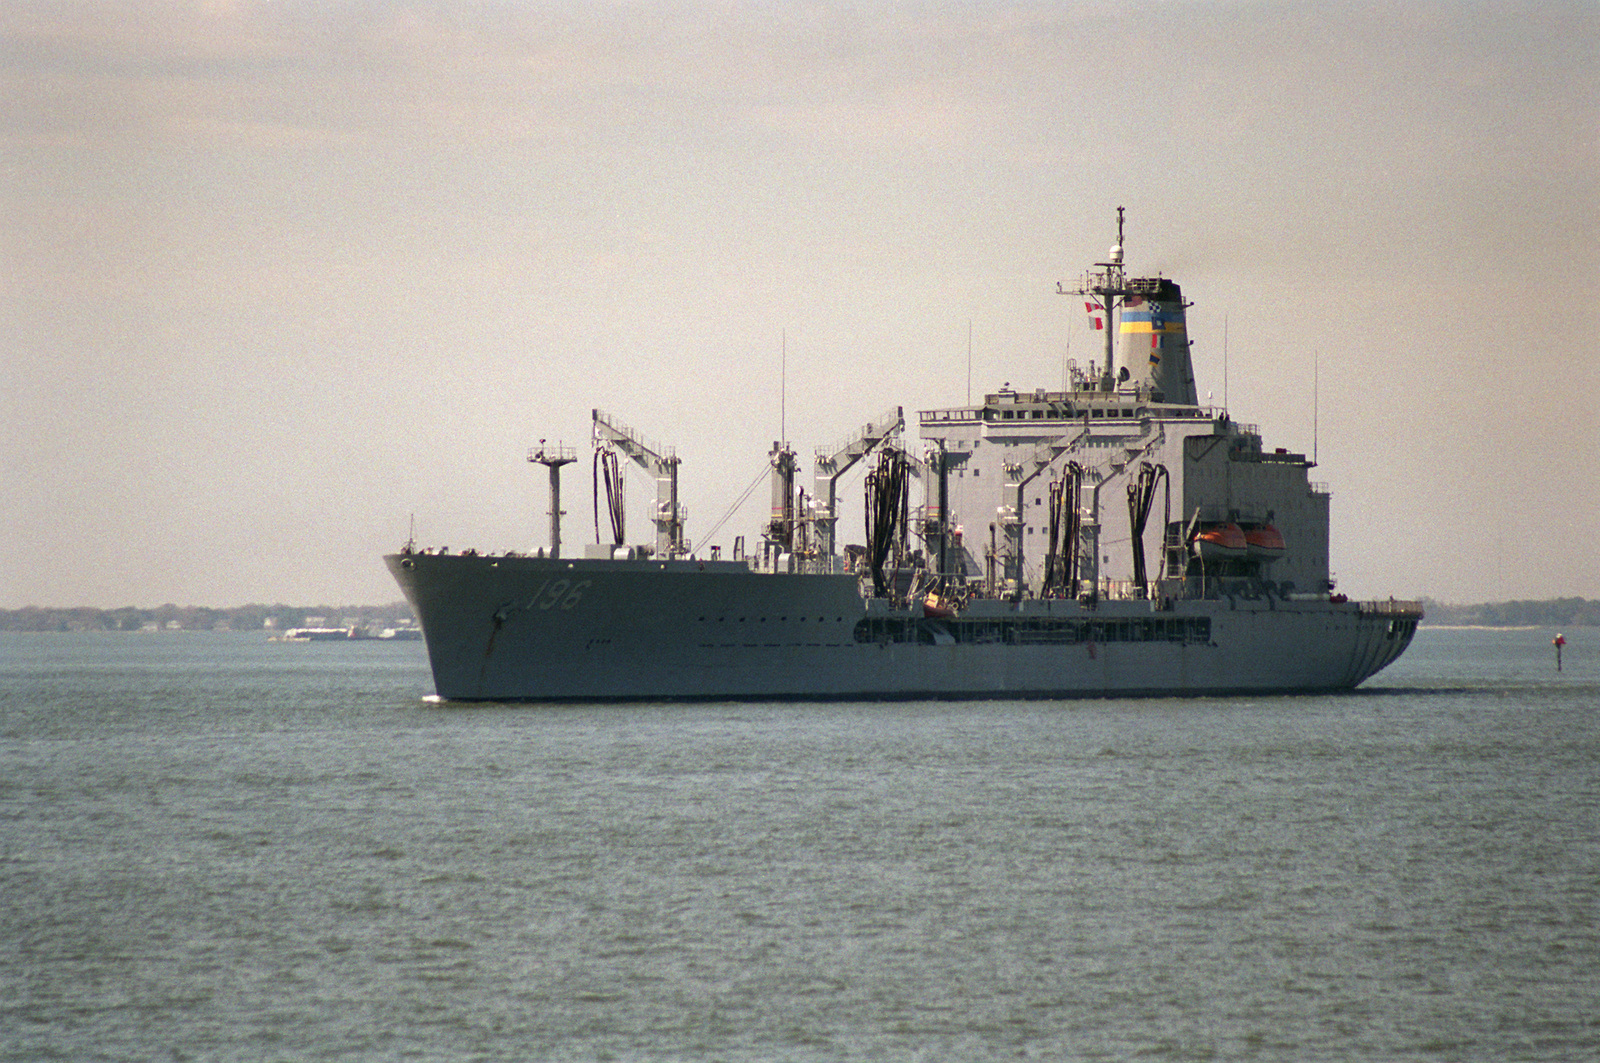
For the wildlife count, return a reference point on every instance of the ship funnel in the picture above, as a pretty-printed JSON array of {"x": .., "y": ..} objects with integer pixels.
[{"x": 1154, "y": 341}]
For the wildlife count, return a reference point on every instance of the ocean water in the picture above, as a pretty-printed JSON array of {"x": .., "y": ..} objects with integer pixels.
[{"x": 213, "y": 846}]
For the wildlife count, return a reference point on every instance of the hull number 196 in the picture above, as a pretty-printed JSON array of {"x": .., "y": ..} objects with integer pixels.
[{"x": 560, "y": 594}]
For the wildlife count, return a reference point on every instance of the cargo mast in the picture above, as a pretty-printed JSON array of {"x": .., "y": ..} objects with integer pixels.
[{"x": 553, "y": 458}]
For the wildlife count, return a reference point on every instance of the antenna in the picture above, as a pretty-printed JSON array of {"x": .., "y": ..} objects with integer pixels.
[
  {"x": 783, "y": 389},
  {"x": 1315, "y": 357},
  {"x": 969, "y": 361},
  {"x": 1066, "y": 355},
  {"x": 1224, "y": 359}
]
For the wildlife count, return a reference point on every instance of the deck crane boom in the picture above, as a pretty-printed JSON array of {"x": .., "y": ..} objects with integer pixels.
[
  {"x": 669, "y": 515},
  {"x": 1018, "y": 475},
  {"x": 831, "y": 465}
]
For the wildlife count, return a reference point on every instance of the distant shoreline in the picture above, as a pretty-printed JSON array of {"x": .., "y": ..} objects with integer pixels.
[
  {"x": 1505, "y": 616},
  {"x": 1551, "y": 612},
  {"x": 269, "y": 618}
]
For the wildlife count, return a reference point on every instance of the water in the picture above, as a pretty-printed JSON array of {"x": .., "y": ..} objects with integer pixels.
[{"x": 218, "y": 847}]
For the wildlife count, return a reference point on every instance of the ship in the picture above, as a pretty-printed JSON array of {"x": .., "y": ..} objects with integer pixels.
[
  {"x": 351, "y": 633},
  {"x": 1009, "y": 552}
]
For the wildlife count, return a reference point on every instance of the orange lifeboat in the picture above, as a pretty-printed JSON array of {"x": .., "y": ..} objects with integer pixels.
[
  {"x": 1264, "y": 542},
  {"x": 1221, "y": 542}
]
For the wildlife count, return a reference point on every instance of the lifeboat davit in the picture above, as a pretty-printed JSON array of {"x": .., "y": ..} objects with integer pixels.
[
  {"x": 1264, "y": 542},
  {"x": 1221, "y": 542}
]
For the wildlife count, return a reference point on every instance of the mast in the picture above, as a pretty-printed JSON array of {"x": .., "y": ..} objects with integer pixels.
[
  {"x": 1112, "y": 286},
  {"x": 1147, "y": 317},
  {"x": 1107, "y": 282},
  {"x": 781, "y": 525},
  {"x": 553, "y": 458}
]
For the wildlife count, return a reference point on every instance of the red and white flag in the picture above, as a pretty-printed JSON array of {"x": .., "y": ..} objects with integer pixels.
[{"x": 1097, "y": 314}]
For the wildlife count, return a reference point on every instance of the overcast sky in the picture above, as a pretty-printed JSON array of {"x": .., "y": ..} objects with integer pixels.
[{"x": 279, "y": 277}]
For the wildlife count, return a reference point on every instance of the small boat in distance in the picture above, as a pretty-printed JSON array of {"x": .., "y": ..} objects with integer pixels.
[{"x": 353, "y": 633}]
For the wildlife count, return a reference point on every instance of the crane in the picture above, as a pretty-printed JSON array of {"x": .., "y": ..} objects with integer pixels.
[
  {"x": 831, "y": 465},
  {"x": 669, "y": 515},
  {"x": 1018, "y": 475}
]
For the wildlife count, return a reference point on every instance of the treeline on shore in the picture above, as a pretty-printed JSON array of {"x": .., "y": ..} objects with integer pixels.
[
  {"x": 202, "y": 618},
  {"x": 1554, "y": 612}
]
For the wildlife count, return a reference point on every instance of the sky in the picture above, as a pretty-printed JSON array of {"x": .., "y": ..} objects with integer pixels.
[{"x": 280, "y": 281}]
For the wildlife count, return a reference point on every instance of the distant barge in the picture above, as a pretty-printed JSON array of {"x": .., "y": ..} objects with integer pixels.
[{"x": 351, "y": 634}]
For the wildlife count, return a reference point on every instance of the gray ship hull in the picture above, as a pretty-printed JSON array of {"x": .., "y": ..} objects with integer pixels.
[{"x": 543, "y": 629}]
